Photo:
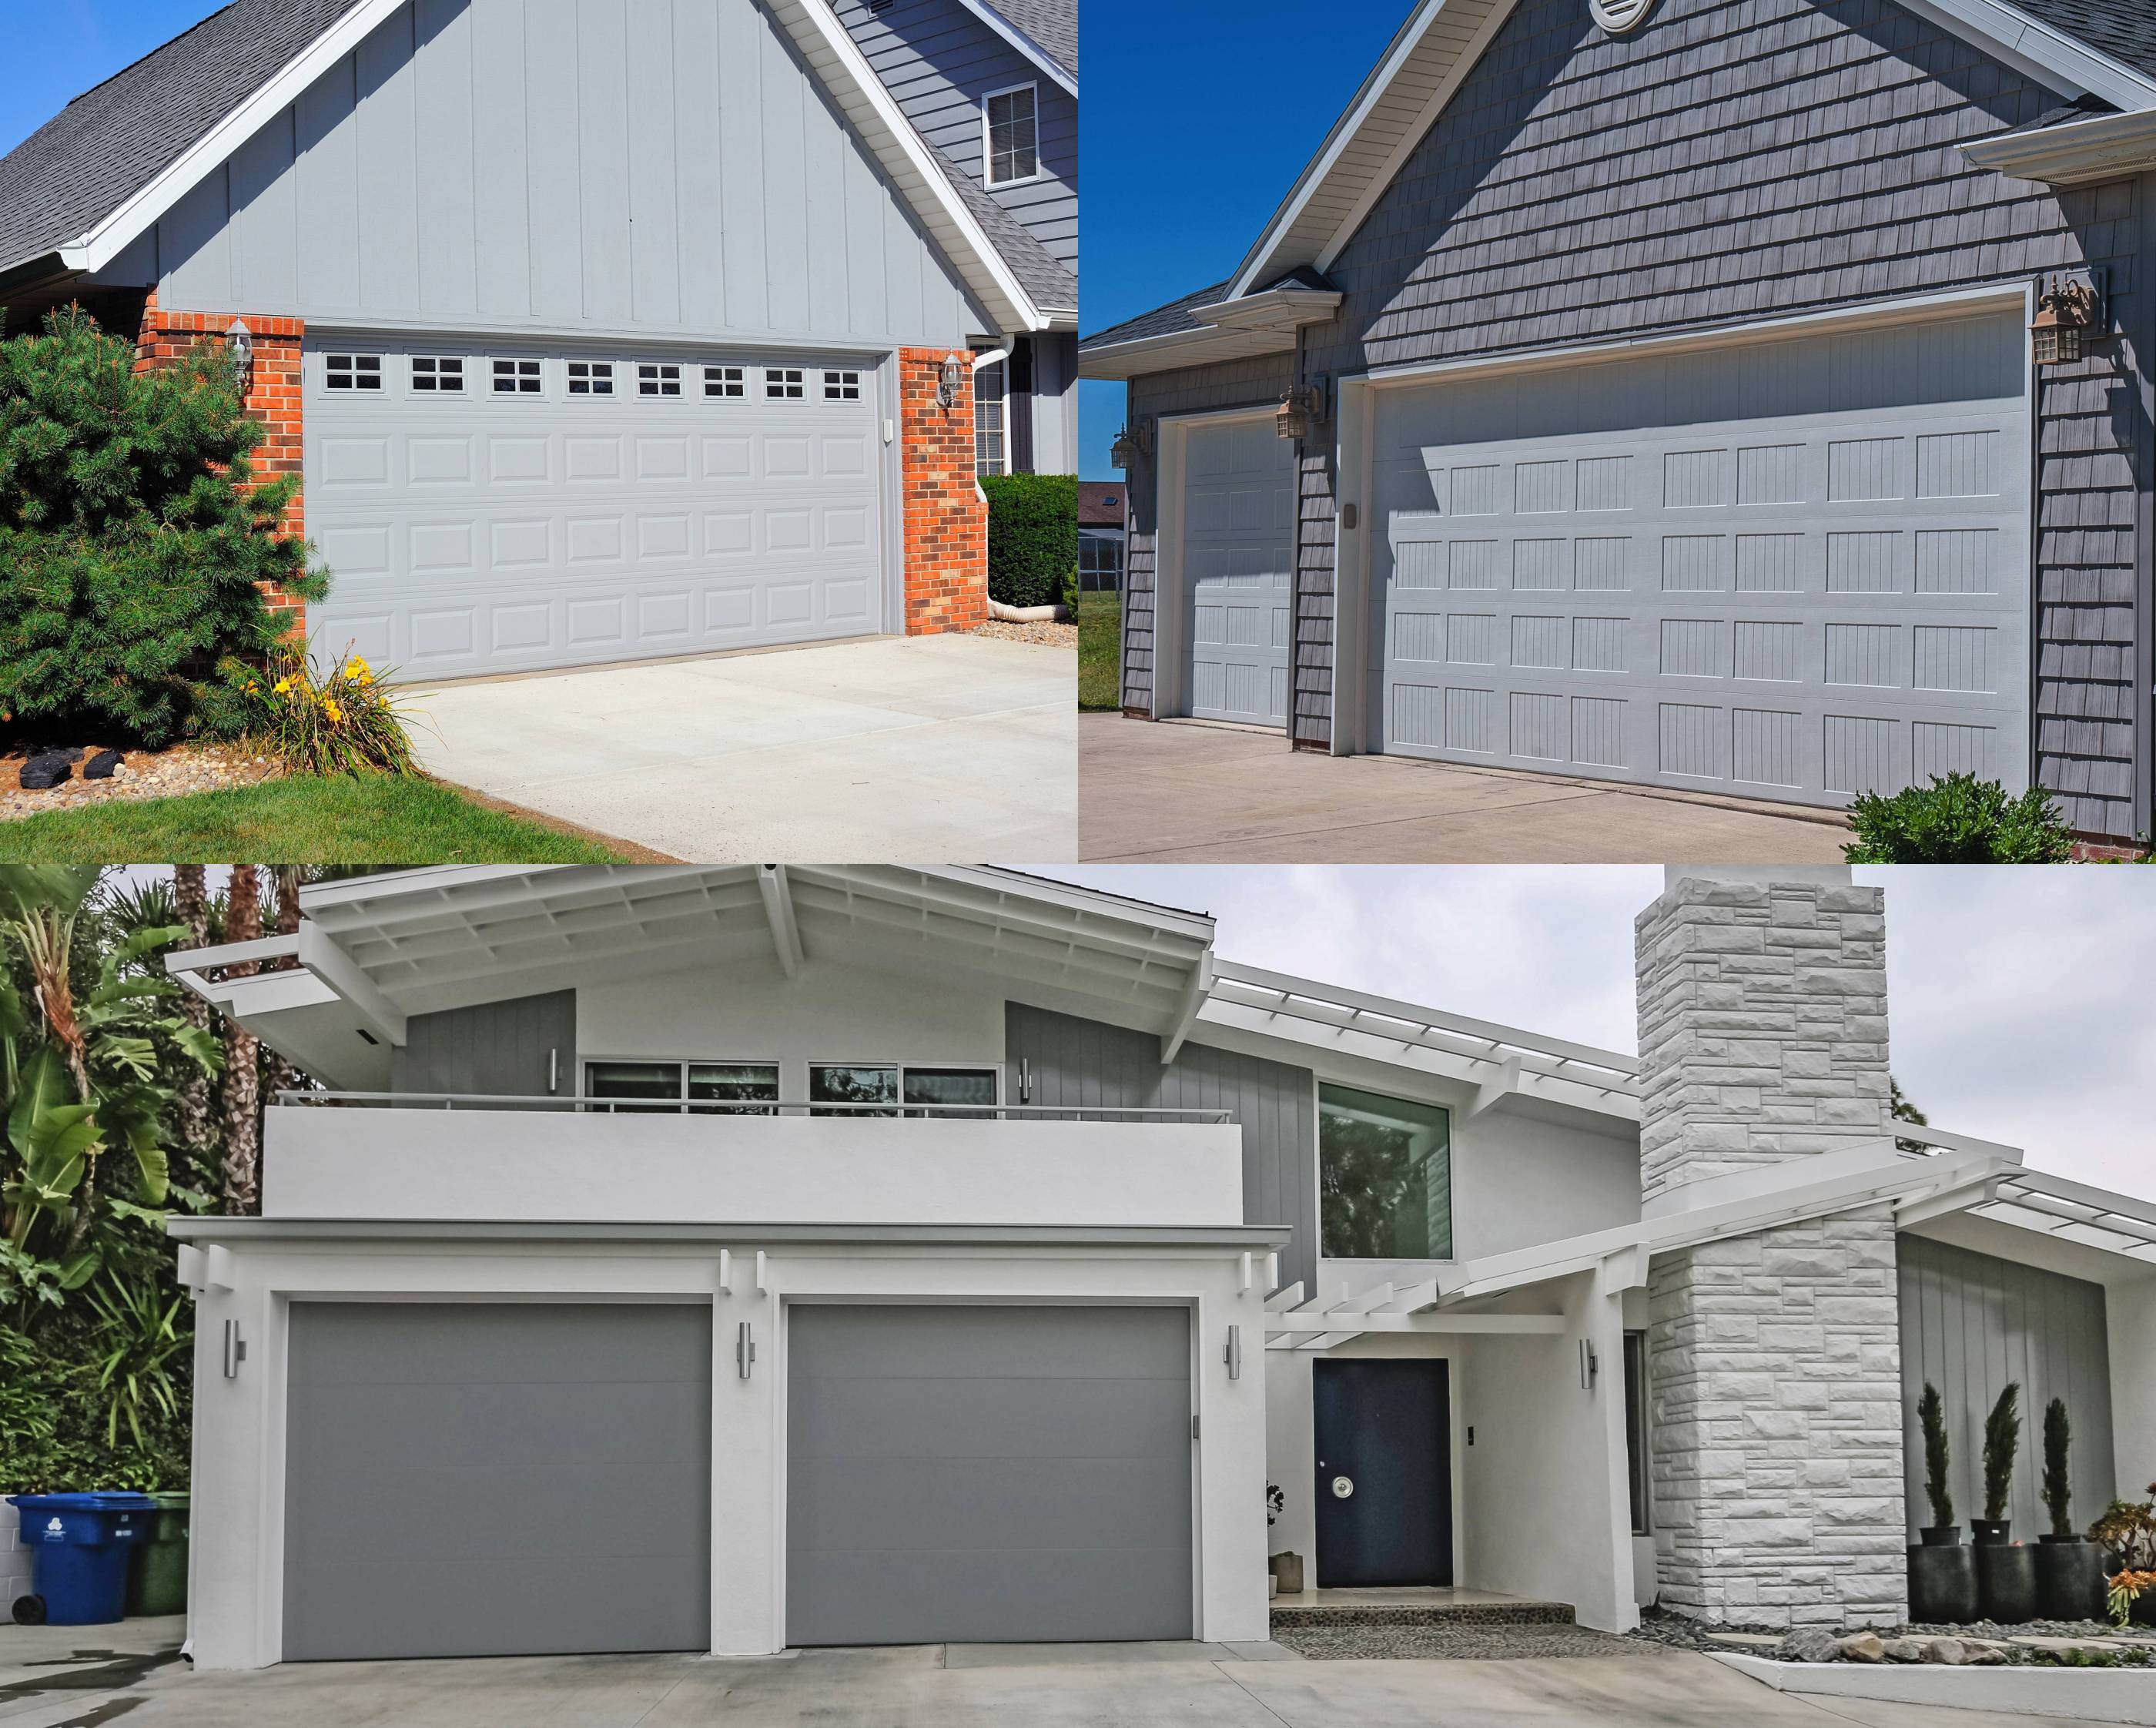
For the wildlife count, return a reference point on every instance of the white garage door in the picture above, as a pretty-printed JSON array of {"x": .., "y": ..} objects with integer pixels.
[
  {"x": 1238, "y": 541},
  {"x": 483, "y": 511},
  {"x": 1798, "y": 570}
]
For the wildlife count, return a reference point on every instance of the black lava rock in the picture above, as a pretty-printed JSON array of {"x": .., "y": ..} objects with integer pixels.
[
  {"x": 40, "y": 773},
  {"x": 100, "y": 767}
]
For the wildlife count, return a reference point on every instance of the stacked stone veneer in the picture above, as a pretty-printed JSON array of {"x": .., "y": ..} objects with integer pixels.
[{"x": 1774, "y": 1359}]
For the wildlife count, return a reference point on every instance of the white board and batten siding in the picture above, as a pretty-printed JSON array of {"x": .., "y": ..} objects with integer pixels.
[{"x": 1795, "y": 570}]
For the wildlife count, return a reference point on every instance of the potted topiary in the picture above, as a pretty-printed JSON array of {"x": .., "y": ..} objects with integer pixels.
[
  {"x": 2069, "y": 1581},
  {"x": 2006, "y": 1570},
  {"x": 1942, "y": 1572}
]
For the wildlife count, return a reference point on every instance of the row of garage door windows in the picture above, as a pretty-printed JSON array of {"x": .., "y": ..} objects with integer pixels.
[{"x": 444, "y": 375}]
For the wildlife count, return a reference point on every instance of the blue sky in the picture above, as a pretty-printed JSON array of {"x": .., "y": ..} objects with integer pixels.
[
  {"x": 1197, "y": 116},
  {"x": 59, "y": 48}
]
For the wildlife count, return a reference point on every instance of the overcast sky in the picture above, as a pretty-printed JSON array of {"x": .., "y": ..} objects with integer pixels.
[{"x": 2023, "y": 1002}]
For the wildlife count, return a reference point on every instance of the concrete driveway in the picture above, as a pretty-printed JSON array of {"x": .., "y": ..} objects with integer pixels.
[
  {"x": 1186, "y": 792},
  {"x": 138, "y": 1680},
  {"x": 916, "y": 749}
]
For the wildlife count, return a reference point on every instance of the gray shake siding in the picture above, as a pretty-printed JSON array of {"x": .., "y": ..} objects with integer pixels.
[
  {"x": 1201, "y": 389},
  {"x": 1728, "y": 162},
  {"x": 1086, "y": 1064},
  {"x": 652, "y": 166}
]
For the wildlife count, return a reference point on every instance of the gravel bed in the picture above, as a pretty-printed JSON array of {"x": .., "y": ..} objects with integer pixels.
[
  {"x": 1454, "y": 1643},
  {"x": 1043, "y": 634},
  {"x": 142, "y": 773},
  {"x": 1678, "y": 1632}
]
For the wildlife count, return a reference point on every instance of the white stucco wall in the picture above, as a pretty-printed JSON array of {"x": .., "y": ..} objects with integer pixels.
[
  {"x": 1517, "y": 1180},
  {"x": 2130, "y": 1323},
  {"x": 236, "y": 1609}
]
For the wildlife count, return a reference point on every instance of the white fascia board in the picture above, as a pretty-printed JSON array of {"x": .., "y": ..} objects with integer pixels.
[
  {"x": 2032, "y": 47},
  {"x": 1074, "y": 897},
  {"x": 825, "y": 45},
  {"x": 432, "y": 879},
  {"x": 1177, "y": 349},
  {"x": 2098, "y": 148},
  {"x": 2109, "y": 1200},
  {"x": 1024, "y": 44},
  {"x": 117, "y": 231},
  {"x": 1275, "y": 308}
]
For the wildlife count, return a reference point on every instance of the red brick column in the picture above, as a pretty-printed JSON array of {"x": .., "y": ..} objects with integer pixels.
[
  {"x": 272, "y": 398},
  {"x": 947, "y": 524}
]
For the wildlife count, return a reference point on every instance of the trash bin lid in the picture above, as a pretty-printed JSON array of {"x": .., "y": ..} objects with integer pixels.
[{"x": 97, "y": 1500}]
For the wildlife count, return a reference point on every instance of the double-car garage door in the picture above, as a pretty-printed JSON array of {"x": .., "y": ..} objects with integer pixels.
[
  {"x": 483, "y": 509},
  {"x": 496, "y": 1479}
]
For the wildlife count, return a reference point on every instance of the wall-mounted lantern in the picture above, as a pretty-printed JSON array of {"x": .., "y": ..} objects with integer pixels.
[
  {"x": 1133, "y": 444},
  {"x": 948, "y": 380},
  {"x": 1301, "y": 409},
  {"x": 239, "y": 343},
  {"x": 2069, "y": 311}
]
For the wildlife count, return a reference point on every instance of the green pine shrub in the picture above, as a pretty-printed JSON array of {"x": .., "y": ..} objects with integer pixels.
[
  {"x": 1958, "y": 820},
  {"x": 132, "y": 540},
  {"x": 1033, "y": 536}
]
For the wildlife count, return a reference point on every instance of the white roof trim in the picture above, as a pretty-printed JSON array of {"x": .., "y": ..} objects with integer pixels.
[
  {"x": 2075, "y": 1212},
  {"x": 2101, "y": 147},
  {"x": 2033, "y": 46},
  {"x": 823, "y": 42},
  {"x": 1023, "y": 43}
]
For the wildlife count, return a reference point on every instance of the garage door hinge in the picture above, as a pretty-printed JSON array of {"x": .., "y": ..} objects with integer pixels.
[{"x": 1194, "y": 1425}]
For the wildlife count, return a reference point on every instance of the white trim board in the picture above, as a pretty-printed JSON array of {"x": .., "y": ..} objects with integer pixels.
[{"x": 1024, "y": 44}]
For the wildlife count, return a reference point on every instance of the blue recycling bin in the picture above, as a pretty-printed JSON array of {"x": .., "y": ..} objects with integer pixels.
[{"x": 80, "y": 1545}]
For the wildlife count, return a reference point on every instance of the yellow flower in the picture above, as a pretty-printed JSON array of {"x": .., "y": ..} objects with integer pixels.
[
  {"x": 335, "y": 712},
  {"x": 284, "y": 686}
]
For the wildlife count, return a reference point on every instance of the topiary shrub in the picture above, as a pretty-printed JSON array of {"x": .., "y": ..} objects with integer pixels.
[
  {"x": 132, "y": 539},
  {"x": 1033, "y": 536},
  {"x": 1958, "y": 820}
]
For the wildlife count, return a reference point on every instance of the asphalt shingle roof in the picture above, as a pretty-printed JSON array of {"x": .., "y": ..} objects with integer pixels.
[
  {"x": 1051, "y": 286},
  {"x": 2124, "y": 29},
  {"x": 1100, "y": 503},
  {"x": 108, "y": 144},
  {"x": 1052, "y": 23},
  {"x": 1169, "y": 320}
]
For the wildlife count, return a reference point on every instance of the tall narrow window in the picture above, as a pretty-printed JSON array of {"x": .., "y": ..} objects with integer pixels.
[
  {"x": 1636, "y": 1432},
  {"x": 991, "y": 428},
  {"x": 1012, "y": 118},
  {"x": 1384, "y": 1176}
]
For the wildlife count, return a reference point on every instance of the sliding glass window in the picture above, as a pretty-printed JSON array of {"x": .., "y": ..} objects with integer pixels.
[{"x": 1384, "y": 1177}]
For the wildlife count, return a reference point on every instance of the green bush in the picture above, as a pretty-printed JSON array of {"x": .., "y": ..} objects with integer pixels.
[
  {"x": 131, "y": 540},
  {"x": 1958, "y": 820},
  {"x": 1033, "y": 536},
  {"x": 55, "y": 1419}
]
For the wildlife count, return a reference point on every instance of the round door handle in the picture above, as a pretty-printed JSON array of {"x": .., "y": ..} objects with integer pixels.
[{"x": 1342, "y": 1487}]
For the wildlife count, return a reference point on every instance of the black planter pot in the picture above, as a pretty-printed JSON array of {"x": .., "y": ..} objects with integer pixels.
[
  {"x": 1940, "y": 1536},
  {"x": 2070, "y": 1581},
  {"x": 2006, "y": 1583},
  {"x": 1942, "y": 1584},
  {"x": 1985, "y": 1534}
]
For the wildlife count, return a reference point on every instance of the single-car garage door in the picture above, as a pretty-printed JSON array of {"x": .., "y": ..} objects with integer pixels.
[
  {"x": 1797, "y": 570},
  {"x": 1238, "y": 568},
  {"x": 987, "y": 1474},
  {"x": 496, "y": 1480},
  {"x": 483, "y": 509}
]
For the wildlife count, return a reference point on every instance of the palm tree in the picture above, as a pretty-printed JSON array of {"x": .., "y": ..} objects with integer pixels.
[
  {"x": 191, "y": 909},
  {"x": 243, "y": 1088}
]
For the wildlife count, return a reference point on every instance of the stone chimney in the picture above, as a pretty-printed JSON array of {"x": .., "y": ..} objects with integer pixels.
[{"x": 1774, "y": 1359}]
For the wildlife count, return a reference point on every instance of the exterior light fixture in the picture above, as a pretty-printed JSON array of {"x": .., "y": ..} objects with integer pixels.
[
  {"x": 239, "y": 343},
  {"x": 1133, "y": 444},
  {"x": 948, "y": 380},
  {"x": 2066, "y": 313},
  {"x": 1300, "y": 411}
]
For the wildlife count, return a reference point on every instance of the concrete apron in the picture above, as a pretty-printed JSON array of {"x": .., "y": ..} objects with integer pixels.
[
  {"x": 2123, "y": 1695},
  {"x": 977, "y": 1686}
]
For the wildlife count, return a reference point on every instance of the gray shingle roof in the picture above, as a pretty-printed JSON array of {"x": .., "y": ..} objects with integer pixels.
[
  {"x": 1052, "y": 23},
  {"x": 2124, "y": 29},
  {"x": 1168, "y": 320},
  {"x": 106, "y": 146},
  {"x": 1051, "y": 286}
]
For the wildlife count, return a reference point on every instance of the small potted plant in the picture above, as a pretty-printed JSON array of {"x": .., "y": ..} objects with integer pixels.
[
  {"x": 2069, "y": 1581},
  {"x": 1942, "y": 1572},
  {"x": 2126, "y": 1534},
  {"x": 2006, "y": 1570}
]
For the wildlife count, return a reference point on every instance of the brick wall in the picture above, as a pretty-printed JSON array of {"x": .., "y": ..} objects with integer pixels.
[
  {"x": 947, "y": 524},
  {"x": 272, "y": 398}
]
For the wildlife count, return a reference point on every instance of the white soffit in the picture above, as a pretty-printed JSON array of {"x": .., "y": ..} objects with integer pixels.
[{"x": 2073, "y": 1212}]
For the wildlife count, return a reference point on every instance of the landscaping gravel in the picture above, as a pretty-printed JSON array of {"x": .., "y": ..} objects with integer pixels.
[
  {"x": 1677, "y": 1631},
  {"x": 1454, "y": 1643},
  {"x": 1043, "y": 634},
  {"x": 138, "y": 773}
]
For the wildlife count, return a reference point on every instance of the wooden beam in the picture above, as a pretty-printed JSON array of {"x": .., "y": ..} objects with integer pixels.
[{"x": 779, "y": 912}]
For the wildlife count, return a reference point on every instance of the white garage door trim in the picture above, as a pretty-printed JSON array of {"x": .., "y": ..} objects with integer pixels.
[
  {"x": 1172, "y": 645},
  {"x": 690, "y": 535},
  {"x": 1357, "y": 722}
]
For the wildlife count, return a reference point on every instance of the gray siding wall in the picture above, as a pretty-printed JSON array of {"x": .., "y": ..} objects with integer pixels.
[
  {"x": 548, "y": 164},
  {"x": 498, "y": 1047},
  {"x": 1724, "y": 163},
  {"x": 1084, "y": 1064},
  {"x": 1263, "y": 379},
  {"x": 1971, "y": 1323},
  {"x": 939, "y": 60}
]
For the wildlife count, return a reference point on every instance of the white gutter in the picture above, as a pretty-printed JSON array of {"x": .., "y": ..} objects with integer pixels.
[{"x": 2101, "y": 147}]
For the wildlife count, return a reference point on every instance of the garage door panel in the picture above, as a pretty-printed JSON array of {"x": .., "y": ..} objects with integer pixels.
[
  {"x": 454, "y": 1479},
  {"x": 987, "y": 1474},
  {"x": 1776, "y": 606},
  {"x": 1238, "y": 563}
]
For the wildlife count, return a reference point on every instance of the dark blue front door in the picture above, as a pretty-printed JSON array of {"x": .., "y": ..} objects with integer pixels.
[{"x": 1384, "y": 1473}]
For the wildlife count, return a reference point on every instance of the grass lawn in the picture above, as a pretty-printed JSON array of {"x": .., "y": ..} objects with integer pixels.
[
  {"x": 375, "y": 819},
  {"x": 1100, "y": 639}
]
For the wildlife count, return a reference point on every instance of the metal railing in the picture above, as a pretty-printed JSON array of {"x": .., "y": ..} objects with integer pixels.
[{"x": 586, "y": 1104}]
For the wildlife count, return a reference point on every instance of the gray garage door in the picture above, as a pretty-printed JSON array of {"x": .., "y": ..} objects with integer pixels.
[
  {"x": 1798, "y": 570},
  {"x": 497, "y": 1480},
  {"x": 481, "y": 511},
  {"x": 1238, "y": 564},
  {"x": 987, "y": 1474}
]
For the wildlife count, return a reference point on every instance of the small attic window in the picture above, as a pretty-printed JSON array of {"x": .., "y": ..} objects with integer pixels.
[
  {"x": 782, "y": 383},
  {"x": 354, "y": 372}
]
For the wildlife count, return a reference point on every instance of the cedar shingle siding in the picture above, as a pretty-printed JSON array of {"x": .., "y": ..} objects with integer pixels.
[{"x": 1729, "y": 162}]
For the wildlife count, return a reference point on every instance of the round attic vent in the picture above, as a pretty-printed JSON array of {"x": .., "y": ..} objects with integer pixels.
[{"x": 1616, "y": 16}]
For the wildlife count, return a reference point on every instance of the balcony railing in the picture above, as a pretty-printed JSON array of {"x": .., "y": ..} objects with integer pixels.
[{"x": 582, "y": 1102}]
